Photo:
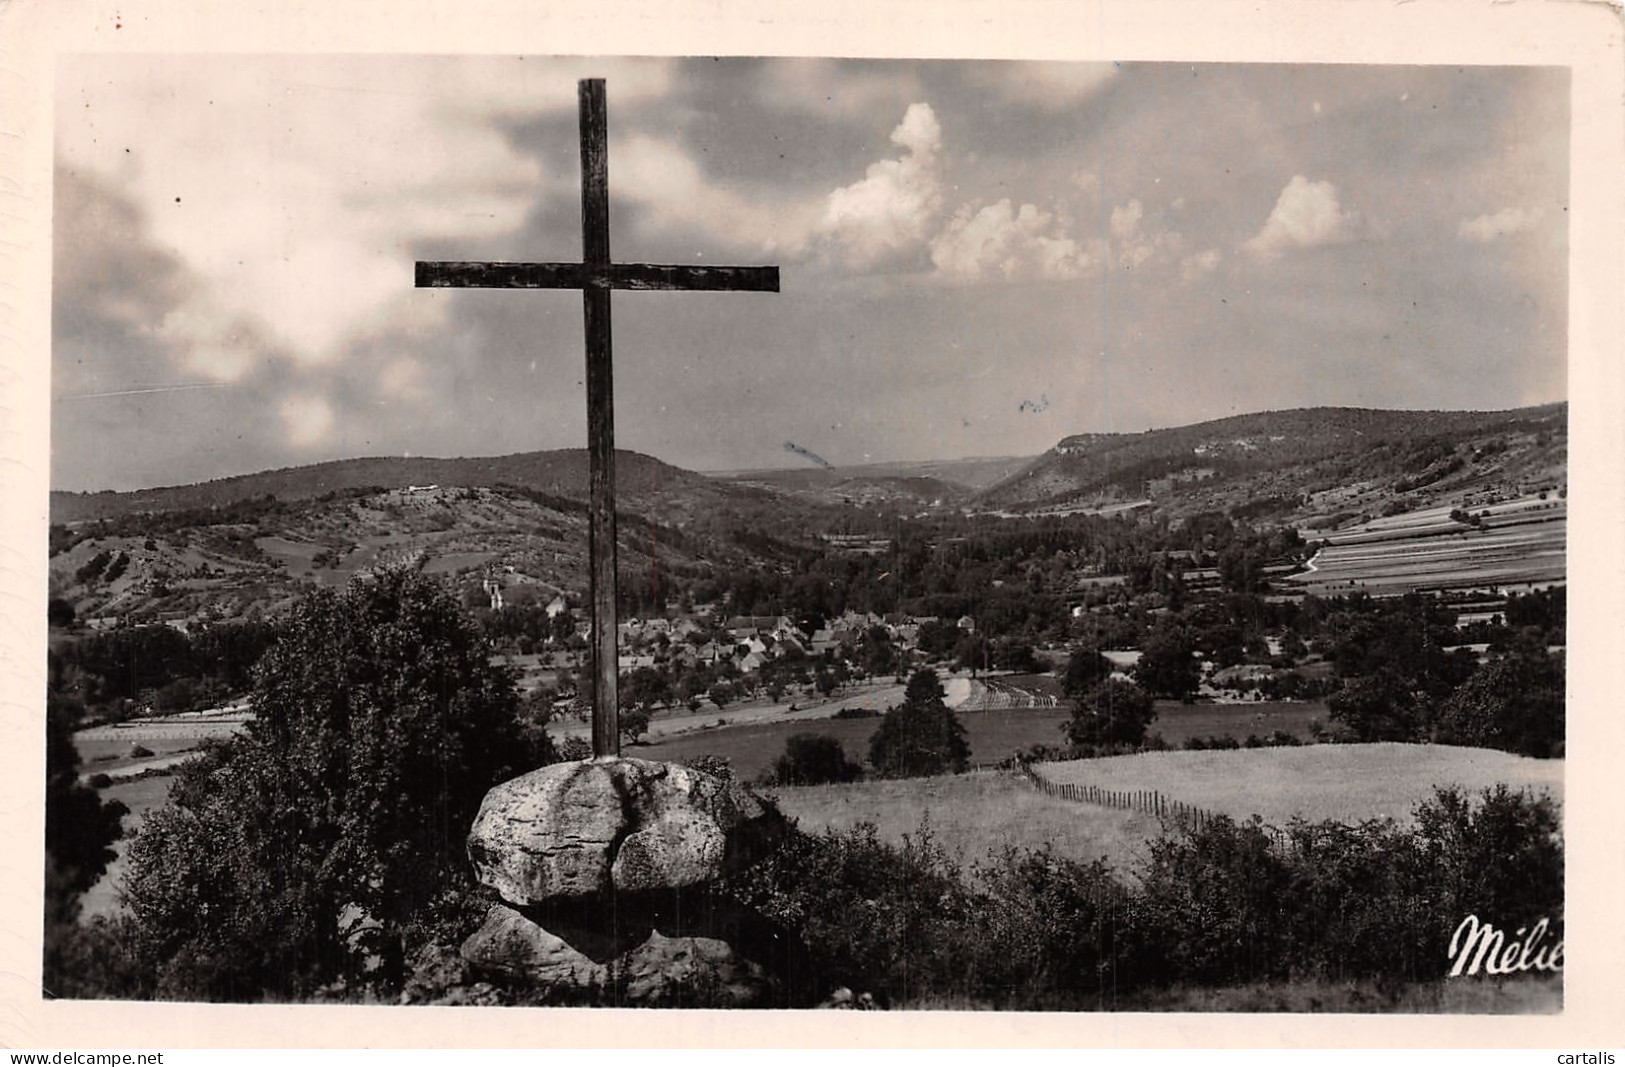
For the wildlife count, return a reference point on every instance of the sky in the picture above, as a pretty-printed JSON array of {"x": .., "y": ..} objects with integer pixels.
[{"x": 977, "y": 258}]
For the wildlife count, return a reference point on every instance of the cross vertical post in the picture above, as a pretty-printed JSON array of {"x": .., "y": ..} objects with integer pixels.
[
  {"x": 595, "y": 295},
  {"x": 595, "y": 276}
]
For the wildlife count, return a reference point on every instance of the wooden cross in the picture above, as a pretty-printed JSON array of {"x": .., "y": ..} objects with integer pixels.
[{"x": 595, "y": 276}]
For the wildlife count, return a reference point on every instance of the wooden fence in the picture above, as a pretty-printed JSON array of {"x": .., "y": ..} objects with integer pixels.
[{"x": 1150, "y": 801}]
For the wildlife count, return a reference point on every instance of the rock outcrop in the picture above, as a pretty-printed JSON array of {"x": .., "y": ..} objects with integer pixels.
[
  {"x": 601, "y": 826},
  {"x": 607, "y": 872}
]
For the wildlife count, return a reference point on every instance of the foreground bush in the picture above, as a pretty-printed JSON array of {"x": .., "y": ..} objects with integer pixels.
[
  {"x": 321, "y": 843},
  {"x": 1228, "y": 905}
]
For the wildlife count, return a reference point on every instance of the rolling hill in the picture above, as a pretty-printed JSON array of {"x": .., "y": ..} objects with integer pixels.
[
  {"x": 641, "y": 483},
  {"x": 1422, "y": 499},
  {"x": 1290, "y": 456}
]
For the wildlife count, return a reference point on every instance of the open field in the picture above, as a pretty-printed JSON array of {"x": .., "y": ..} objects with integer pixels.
[
  {"x": 1520, "y": 544},
  {"x": 751, "y": 750},
  {"x": 973, "y": 814},
  {"x": 113, "y": 754},
  {"x": 993, "y": 734},
  {"x": 1344, "y": 782},
  {"x": 140, "y": 797},
  {"x": 1178, "y": 723},
  {"x": 678, "y": 721}
]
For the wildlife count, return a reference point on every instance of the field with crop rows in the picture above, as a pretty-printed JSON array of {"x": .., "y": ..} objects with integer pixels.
[{"x": 1518, "y": 545}]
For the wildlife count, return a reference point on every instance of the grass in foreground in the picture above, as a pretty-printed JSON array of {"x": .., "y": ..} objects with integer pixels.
[{"x": 973, "y": 814}]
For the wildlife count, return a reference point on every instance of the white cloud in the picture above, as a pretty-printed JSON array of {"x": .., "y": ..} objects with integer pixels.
[
  {"x": 1199, "y": 264},
  {"x": 209, "y": 340},
  {"x": 308, "y": 419},
  {"x": 1126, "y": 219},
  {"x": 665, "y": 178},
  {"x": 1134, "y": 246},
  {"x": 1001, "y": 240},
  {"x": 294, "y": 189},
  {"x": 1505, "y": 223},
  {"x": 1306, "y": 215},
  {"x": 402, "y": 379},
  {"x": 888, "y": 214}
]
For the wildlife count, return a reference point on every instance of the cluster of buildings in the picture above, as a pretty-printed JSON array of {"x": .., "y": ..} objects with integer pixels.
[{"x": 750, "y": 642}]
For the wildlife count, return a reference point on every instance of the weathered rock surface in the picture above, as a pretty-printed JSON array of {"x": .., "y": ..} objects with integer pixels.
[
  {"x": 660, "y": 972},
  {"x": 509, "y": 943},
  {"x": 701, "y": 972},
  {"x": 572, "y": 830}
]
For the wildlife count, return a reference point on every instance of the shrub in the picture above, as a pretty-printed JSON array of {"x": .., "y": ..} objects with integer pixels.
[
  {"x": 1226, "y": 904},
  {"x": 574, "y": 749},
  {"x": 876, "y": 918},
  {"x": 1046, "y": 931},
  {"x": 715, "y": 766},
  {"x": 1211, "y": 906},
  {"x": 813, "y": 759}
]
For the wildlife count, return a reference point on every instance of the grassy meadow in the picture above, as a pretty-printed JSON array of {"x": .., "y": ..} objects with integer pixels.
[
  {"x": 993, "y": 735},
  {"x": 971, "y": 815},
  {"x": 1343, "y": 782}
]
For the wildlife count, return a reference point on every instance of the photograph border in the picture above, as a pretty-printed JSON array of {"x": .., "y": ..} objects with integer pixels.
[{"x": 1586, "y": 37}]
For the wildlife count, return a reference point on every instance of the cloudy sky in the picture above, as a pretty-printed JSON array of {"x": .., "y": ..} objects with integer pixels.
[{"x": 977, "y": 258}]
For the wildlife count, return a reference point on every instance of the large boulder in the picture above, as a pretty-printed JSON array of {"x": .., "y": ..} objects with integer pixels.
[
  {"x": 514, "y": 945},
  {"x": 691, "y": 972},
  {"x": 659, "y": 972},
  {"x": 600, "y": 827}
]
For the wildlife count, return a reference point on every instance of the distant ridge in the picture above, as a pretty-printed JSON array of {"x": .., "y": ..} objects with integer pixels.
[
  {"x": 1082, "y": 465},
  {"x": 562, "y": 472}
]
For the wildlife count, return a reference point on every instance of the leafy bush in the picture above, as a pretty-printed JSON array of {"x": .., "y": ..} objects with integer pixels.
[
  {"x": 1047, "y": 931},
  {"x": 1226, "y": 904},
  {"x": 715, "y": 766},
  {"x": 813, "y": 759},
  {"x": 321, "y": 837},
  {"x": 874, "y": 917},
  {"x": 574, "y": 749}
]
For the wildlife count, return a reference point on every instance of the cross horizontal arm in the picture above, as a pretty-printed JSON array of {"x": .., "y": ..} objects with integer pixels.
[
  {"x": 646, "y": 276},
  {"x": 713, "y": 279}
]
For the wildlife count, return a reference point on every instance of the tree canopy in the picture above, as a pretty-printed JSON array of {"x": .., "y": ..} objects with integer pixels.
[
  {"x": 1113, "y": 712},
  {"x": 921, "y": 736},
  {"x": 335, "y": 823}
]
